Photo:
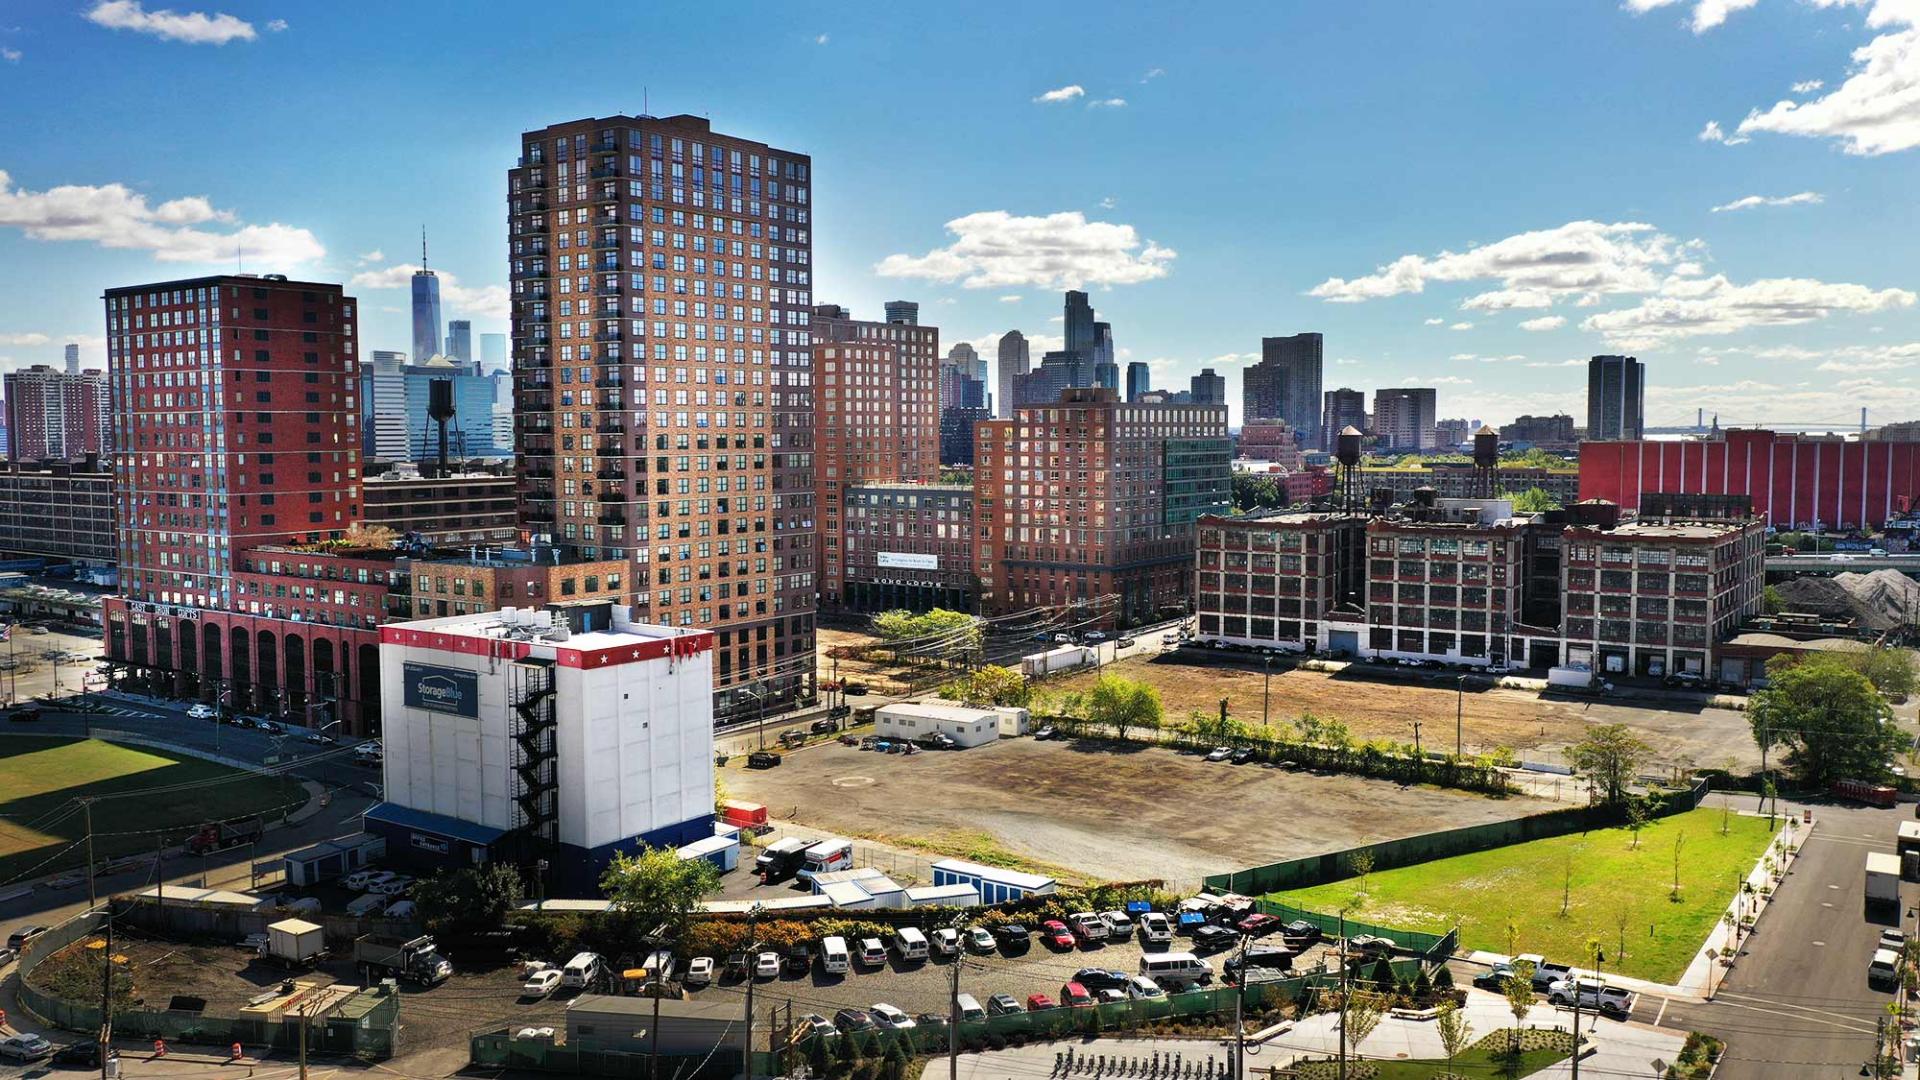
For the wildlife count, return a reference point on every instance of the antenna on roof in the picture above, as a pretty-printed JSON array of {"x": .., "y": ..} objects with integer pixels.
[
  {"x": 646, "y": 108},
  {"x": 423, "y": 247}
]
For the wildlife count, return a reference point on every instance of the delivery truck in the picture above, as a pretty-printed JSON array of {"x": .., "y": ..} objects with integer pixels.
[
  {"x": 1064, "y": 658},
  {"x": 220, "y": 835},
  {"x": 1883, "y": 880},
  {"x": 294, "y": 943},
  {"x": 782, "y": 859}
]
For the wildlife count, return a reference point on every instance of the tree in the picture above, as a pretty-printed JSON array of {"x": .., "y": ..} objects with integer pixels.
[
  {"x": 990, "y": 685},
  {"x": 1772, "y": 601},
  {"x": 1518, "y": 988},
  {"x": 1639, "y": 812},
  {"x": 1328, "y": 733},
  {"x": 1360, "y": 1013},
  {"x": 1679, "y": 842},
  {"x": 1610, "y": 754},
  {"x": 1534, "y": 500},
  {"x": 935, "y": 633},
  {"x": 1254, "y": 490},
  {"x": 1122, "y": 704},
  {"x": 658, "y": 886},
  {"x": 1890, "y": 670},
  {"x": 471, "y": 898},
  {"x": 1360, "y": 865},
  {"x": 1827, "y": 716},
  {"x": 1456, "y": 1034}
]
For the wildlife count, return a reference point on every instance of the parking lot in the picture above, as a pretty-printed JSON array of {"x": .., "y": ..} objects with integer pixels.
[{"x": 1126, "y": 814}]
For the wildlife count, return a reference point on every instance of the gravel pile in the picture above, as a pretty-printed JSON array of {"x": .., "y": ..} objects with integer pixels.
[{"x": 1881, "y": 600}]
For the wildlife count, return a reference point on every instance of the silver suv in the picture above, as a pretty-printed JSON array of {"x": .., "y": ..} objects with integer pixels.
[{"x": 1605, "y": 1000}]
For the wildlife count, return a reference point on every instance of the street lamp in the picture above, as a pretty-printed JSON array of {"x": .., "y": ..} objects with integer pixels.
[
  {"x": 1266, "y": 691},
  {"x": 1459, "y": 714}
]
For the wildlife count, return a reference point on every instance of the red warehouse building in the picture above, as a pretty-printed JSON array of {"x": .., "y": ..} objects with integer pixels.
[{"x": 1796, "y": 481}]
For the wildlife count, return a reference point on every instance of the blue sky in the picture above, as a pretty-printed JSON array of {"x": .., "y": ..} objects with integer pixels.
[{"x": 1415, "y": 180}]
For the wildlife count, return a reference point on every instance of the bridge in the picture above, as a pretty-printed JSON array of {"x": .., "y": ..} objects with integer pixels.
[{"x": 1827, "y": 565}]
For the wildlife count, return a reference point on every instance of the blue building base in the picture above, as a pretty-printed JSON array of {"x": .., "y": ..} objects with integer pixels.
[
  {"x": 577, "y": 871},
  {"x": 427, "y": 843}
]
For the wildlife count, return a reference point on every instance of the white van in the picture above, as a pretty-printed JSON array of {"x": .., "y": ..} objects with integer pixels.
[
  {"x": 833, "y": 955},
  {"x": 582, "y": 971},
  {"x": 970, "y": 1010},
  {"x": 368, "y": 904},
  {"x": 909, "y": 943},
  {"x": 1175, "y": 968}
]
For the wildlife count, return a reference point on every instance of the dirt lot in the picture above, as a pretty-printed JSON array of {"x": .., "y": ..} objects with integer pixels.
[
  {"x": 1128, "y": 815},
  {"x": 1383, "y": 707},
  {"x": 923, "y": 987}
]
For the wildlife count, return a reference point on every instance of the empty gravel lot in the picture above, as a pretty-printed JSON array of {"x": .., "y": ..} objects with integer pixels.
[{"x": 1127, "y": 814}]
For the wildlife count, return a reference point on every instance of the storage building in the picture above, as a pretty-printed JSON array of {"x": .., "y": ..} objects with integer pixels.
[
  {"x": 914, "y": 721},
  {"x": 995, "y": 885}
]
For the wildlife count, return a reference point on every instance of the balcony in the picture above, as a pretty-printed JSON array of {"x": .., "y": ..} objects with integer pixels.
[
  {"x": 612, "y": 518},
  {"x": 610, "y": 334},
  {"x": 539, "y": 517},
  {"x": 612, "y": 449},
  {"x": 607, "y": 242},
  {"x": 610, "y": 381},
  {"x": 602, "y": 172},
  {"x": 536, "y": 472},
  {"x": 611, "y": 473},
  {"x": 604, "y": 289},
  {"x": 611, "y": 427},
  {"x": 618, "y": 498},
  {"x": 534, "y": 226}
]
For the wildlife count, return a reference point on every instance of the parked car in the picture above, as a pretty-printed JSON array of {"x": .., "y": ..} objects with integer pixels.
[
  {"x": 82, "y": 1055},
  {"x": 1301, "y": 928},
  {"x": 1242, "y": 755},
  {"x": 1002, "y": 1005},
  {"x": 1039, "y": 1003},
  {"x": 1610, "y": 1001},
  {"x": 23, "y": 935},
  {"x": 763, "y": 759},
  {"x": 855, "y": 689},
  {"x": 1258, "y": 925},
  {"x": 1371, "y": 944},
  {"x": 1545, "y": 973},
  {"x": 1094, "y": 637},
  {"x": 1101, "y": 978},
  {"x": 1141, "y": 988},
  {"x": 1075, "y": 995},
  {"x": 818, "y": 1026},
  {"x": 1156, "y": 929},
  {"x": 198, "y": 712},
  {"x": 929, "y": 1020},
  {"x": 25, "y": 1047},
  {"x": 394, "y": 885},
  {"x": 1212, "y": 936},
  {"x": 1046, "y": 732},
  {"x": 1055, "y": 934},
  {"x": 1087, "y": 926},
  {"x": 766, "y": 965},
  {"x": 361, "y": 878},
  {"x": 889, "y": 1018},
  {"x": 871, "y": 953},
  {"x": 1013, "y": 938},
  {"x": 825, "y": 726},
  {"x": 1220, "y": 753},
  {"x": 699, "y": 971},
  {"x": 1125, "y": 643},
  {"x": 980, "y": 939},
  {"x": 946, "y": 940},
  {"x": 850, "y": 1021},
  {"x": 319, "y": 738},
  {"x": 1494, "y": 978},
  {"x": 798, "y": 959},
  {"x": 1884, "y": 969},
  {"x": 739, "y": 964},
  {"x": 1119, "y": 923},
  {"x": 541, "y": 983},
  {"x": 1893, "y": 939}
]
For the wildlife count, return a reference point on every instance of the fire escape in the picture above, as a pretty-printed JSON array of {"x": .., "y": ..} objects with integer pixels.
[{"x": 535, "y": 813}]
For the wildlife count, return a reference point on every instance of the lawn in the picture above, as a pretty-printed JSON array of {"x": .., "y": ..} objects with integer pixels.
[
  {"x": 1621, "y": 893},
  {"x": 41, "y": 775}
]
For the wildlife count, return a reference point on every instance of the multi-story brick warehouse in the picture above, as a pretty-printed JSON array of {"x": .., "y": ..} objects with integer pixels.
[
  {"x": 1277, "y": 576},
  {"x": 1796, "y": 481},
  {"x": 877, "y": 387},
  {"x": 662, "y": 301},
  {"x": 1090, "y": 500},
  {"x": 59, "y": 511},
  {"x": 466, "y": 508},
  {"x": 234, "y": 426},
  {"x": 905, "y": 546}
]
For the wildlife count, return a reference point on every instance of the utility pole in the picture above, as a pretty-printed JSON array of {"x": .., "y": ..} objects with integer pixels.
[
  {"x": 1266, "y": 692},
  {"x": 1575, "y": 980},
  {"x": 106, "y": 1001},
  {"x": 1237, "y": 1054},
  {"x": 753, "y": 918},
  {"x": 1345, "y": 990},
  {"x": 1459, "y": 715},
  {"x": 301, "y": 1010},
  {"x": 653, "y": 1066},
  {"x": 93, "y": 899},
  {"x": 159, "y": 879},
  {"x": 1418, "y": 758},
  {"x": 953, "y": 1000}
]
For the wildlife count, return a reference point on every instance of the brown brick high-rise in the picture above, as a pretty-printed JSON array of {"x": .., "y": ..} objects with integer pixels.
[{"x": 662, "y": 294}]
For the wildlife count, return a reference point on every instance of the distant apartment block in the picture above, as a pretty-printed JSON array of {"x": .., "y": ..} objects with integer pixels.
[{"x": 57, "y": 415}]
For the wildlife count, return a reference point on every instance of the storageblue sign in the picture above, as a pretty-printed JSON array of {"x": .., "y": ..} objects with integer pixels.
[{"x": 447, "y": 690}]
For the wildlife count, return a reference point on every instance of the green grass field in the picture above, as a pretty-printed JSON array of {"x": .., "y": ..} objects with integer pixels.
[
  {"x": 40, "y": 776},
  {"x": 1621, "y": 894}
]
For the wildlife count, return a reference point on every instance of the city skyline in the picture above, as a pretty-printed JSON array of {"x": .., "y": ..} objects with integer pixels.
[{"x": 1754, "y": 266}]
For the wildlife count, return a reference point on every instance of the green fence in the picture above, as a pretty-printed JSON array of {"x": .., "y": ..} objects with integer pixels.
[
  {"x": 1429, "y": 948},
  {"x": 499, "y": 1050},
  {"x": 1388, "y": 854}
]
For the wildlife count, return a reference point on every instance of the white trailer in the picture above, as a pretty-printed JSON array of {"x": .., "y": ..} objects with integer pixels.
[
  {"x": 1883, "y": 879},
  {"x": 721, "y": 851},
  {"x": 914, "y": 722},
  {"x": 1061, "y": 659},
  {"x": 1571, "y": 676}
]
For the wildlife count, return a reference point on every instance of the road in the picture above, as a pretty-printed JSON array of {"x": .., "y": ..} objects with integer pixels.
[{"x": 1796, "y": 1005}]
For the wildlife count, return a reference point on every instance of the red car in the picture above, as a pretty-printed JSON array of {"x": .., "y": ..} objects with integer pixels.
[
  {"x": 1055, "y": 933},
  {"x": 1258, "y": 925},
  {"x": 1075, "y": 996},
  {"x": 1037, "y": 1002}
]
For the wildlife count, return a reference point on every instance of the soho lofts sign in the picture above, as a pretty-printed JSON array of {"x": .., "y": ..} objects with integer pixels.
[{"x": 439, "y": 689}]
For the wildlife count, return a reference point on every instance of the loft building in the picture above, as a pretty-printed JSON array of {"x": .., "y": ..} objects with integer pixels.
[
  {"x": 58, "y": 510},
  {"x": 905, "y": 546},
  {"x": 661, "y": 276}
]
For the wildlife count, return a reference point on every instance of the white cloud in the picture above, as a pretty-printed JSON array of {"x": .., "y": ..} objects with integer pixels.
[
  {"x": 821, "y": 39},
  {"x": 11, "y": 56},
  {"x": 1064, "y": 93},
  {"x": 1809, "y": 86},
  {"x": 1687, "y": 307},
  {"x": 1434, "y": 322},
  {"x": 1109, "y": 202},
  {"x": 484, "y": 301},
  {"x": 1507, "y": 299},
  {"x": 276, "y": 25},
  {"x": 1011, "y": 298},
  {"x": 1707, "y": 14},
  {"x": 1557, "y": 363},
  {"x": 1877, "y": 109},
  {"x": 1461, "y": 326},
  {"x": 996, "y": 249},
  {"x": 192, "y": 27},
  {"x": 1443, "y": 380},
  {"x": 1748, "y": 202},
  {"x": 1713, "y": 133},
  {"x": 374, "y": 256},
  {"x": 1152, "y": 74},
  {"x": 28, "y": 339},
  {"x": 1580, "y": 257},
  {"x": 1108, "y": 103},
  {"x": 1543, "y": 323},
  {"x": 115, "y": 216}
]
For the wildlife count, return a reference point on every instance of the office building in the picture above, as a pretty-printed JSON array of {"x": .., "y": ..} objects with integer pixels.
[
  {"x": 1106, "y": 374},
  {"x": 905, "y": 546},
  {"x": 1285, "y": 384},
  {"x": 54, "y": 415},
  {"x": 520, "y": 734},
  {"x": 73, "y": 358},
  {"x": 394, "y": 410},
  {"x": 1343, "y": 409},
  {"x": 1616, "y": 398},
  {"x": 1796, "y": 481},
  {"x": 648, "y": 431},
  {"x": 493, "y": 352},
  {"x": 460, "y": 341},
  {"x": 1079, "y": 326},
  {"x": 1139, "y": 379},
  {"x": 1403, "y": 418},
  {"x": 426, "y": 310},
  {"x": 1014, "y": 363},
  {"x": 1547, "y": 432},
  {"x": 961, "y": 365},
  {"x": 1090, "y": 502},
  {"x": 1209, "y": 388},
  {"x": 58, "y": 510},
  {"x": 878, "y": 421},
  {"x": 1268, "y": 440},
  {"x": 1452, "y": 434},
  {"x": 956, "y": 432},
  {"x": 192, "y": 501},
  {"x": 1274, "y": 578},
  {"x": 902, "y": 312}
]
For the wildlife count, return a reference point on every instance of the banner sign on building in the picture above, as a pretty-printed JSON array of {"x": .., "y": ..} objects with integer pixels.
[
  {"x": 903, "y": 560},
  {"x": 439, "y": 689}
]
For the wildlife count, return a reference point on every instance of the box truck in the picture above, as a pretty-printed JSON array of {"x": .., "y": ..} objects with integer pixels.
[{"x": 1883, "y": 880}]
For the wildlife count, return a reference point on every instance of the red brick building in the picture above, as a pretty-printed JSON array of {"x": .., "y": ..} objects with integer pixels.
[
  {"x": 1655, "y": 598},
  {"x": 55, "y": 415},
  {"x": 1796, "y": 481}
]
